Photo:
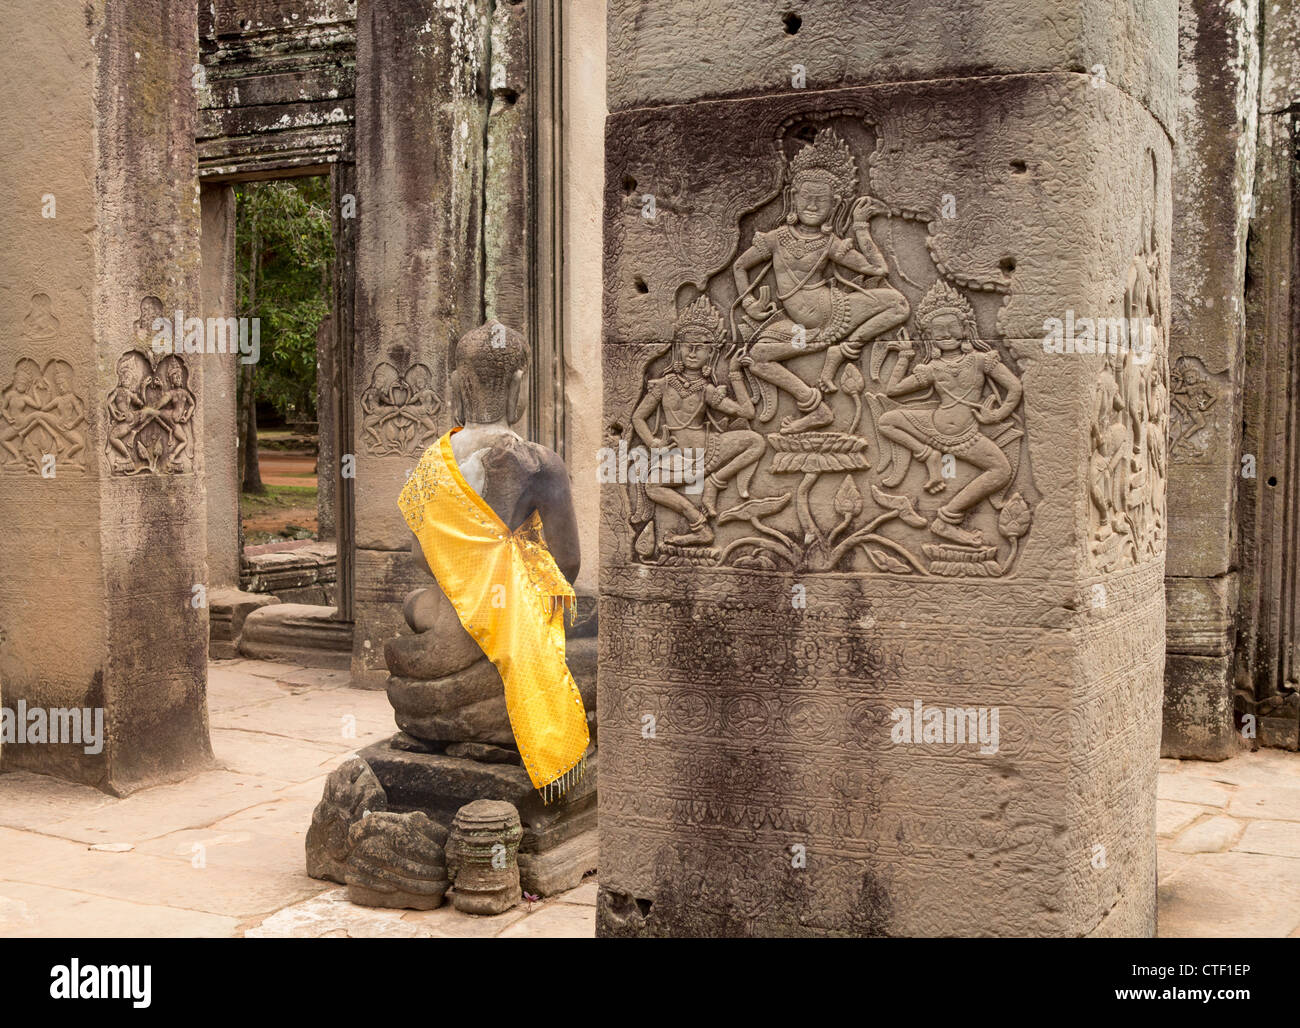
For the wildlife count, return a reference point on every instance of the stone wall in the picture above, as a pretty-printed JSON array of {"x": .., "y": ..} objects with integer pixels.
[{"x": 764, "y": 645}]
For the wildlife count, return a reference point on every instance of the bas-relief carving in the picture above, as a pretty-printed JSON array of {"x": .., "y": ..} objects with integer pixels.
[
  {"x": 399, "y": 409},
  {"x": 820, "y": 408},
  {"x": 42, "y": 413},
  {"x": 1194, "y": 393},
  {"x": 1129, "y": 436},
  {"x": 149, "y": 412}
]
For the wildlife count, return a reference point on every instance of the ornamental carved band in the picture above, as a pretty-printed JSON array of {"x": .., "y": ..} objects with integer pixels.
[{"x": 833, "y": 398}]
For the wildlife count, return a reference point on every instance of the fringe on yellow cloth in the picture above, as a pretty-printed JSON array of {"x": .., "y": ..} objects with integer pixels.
[{"x": 512, "y": 598}]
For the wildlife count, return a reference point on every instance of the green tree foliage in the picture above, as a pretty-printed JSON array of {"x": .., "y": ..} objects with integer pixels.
[{"x": 285, "y": 250}]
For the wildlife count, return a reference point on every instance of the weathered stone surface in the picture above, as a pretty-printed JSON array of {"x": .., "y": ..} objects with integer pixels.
[
  {"x": 306, "y": 574},
  {"x": 751, "y": 660},
  {"x": 1214, "y": 168},
  {"x": 1198, "y": 713},
  {"x": 484, "y": 752},
  {"x": 297, "y": 632},
  {"x": 561, "y": 867},
  {"x": 1266, "y": 503},
  {"x": 1213, "y": 835},
  {"x": 1243, "y": 895},
  {"x": 737, "y": 49},
  {"x": 482, "y": 857},
  {"x": 397, "y": 860},
  {"x": 100, "y": 177},
  {"x": 559, "y": 840},
  {"x": 351, "y": 791},
  {"x": 278, "y": 85},
  {"x": 220, "y": 433},
  {"x": 227, "y": 611},
  {"x": 420, "y": 171}
]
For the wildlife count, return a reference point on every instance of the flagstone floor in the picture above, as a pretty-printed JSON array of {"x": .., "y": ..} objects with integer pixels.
[{"x": 221, "y": 854}]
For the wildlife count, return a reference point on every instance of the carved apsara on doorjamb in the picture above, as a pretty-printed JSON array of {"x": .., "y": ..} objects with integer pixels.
[
  {"x": 399, "y": 408},
  {"x": 42, "y": 412},
  {"x": 1128, "y": 464},
  {"x": 149, "y": 412}
]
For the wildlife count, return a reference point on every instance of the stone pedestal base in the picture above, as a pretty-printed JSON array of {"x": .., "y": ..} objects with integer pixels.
[{"x": 559, "y": 843}]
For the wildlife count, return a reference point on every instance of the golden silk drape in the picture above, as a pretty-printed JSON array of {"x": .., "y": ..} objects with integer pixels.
[{"x": 511, "y": 597}]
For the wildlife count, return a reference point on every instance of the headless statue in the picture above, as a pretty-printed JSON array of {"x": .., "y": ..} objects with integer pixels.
[{"x": 514, "y": 476}]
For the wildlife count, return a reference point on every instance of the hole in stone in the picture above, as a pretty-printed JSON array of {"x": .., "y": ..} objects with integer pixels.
[
  {"x": 1007, "y": 264},
  {"x": 641, "y": 287},
  {"x": 1019, "y": 167},
  {"x": 615, "y": 429},
  {"x": 245, "y": 24},
  {"x": 629, "y": 184},
  {"x": 1272, "y": 480},
  {"x": 509, "y": 95},
  {"x": 792, "y": 22},
  {"x": 644, "y": 906}
]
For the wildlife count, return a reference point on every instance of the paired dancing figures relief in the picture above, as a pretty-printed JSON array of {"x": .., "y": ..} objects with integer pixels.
[
  {"x": 149, "y": 413},
  {"x": 759, "y": 439}
]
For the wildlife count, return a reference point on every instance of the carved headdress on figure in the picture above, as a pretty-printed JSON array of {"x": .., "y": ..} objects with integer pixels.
[
  {"x": 941, "y": 298},
  {"x": 826, "y": 159}
]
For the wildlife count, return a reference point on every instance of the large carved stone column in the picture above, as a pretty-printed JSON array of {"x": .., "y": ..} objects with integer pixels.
[
  {"x": 100, "y": 490},
  {"x": 421, "y": 113},
  {"x": 894, "y": 665}
]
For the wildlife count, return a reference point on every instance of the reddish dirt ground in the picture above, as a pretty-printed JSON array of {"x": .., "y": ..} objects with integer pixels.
[{"x": 281, "y": 467}]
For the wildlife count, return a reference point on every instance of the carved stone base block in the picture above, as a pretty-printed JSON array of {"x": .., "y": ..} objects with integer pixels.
[
  {"x": 883, "y": 655},
  {"x": 297, "y": 632},
  {"x": 559, "y": 841},
  {"x": 227, "y": 611}
]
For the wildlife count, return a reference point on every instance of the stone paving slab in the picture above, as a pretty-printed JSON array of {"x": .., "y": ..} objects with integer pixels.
[
  {"x": 37, "y": 911},
  {"x": 147, "y": 814},
  {"x": 290, "y": 760},
  {"x": 1231, "y": 895},
  {"x": 1228, "y": 854},
  {"x": 1172, "y": 817},
  {"x": 1275, "y": 838},
  {"x": 1268, "y": 802},
  {"x": 34, "y": 802},
  {"x": 324, "y": 716},
  {"x": 215, "y": 887}
]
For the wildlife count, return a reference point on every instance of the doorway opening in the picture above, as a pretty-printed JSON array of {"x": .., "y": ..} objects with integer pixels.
[{"x": 285, "y": 263}]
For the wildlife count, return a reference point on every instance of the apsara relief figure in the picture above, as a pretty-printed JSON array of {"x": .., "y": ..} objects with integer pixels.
[
  {"x": 815, "y": 302},
  {"x": 964, "y": 372},
  {"x": 685, "y": 421}
]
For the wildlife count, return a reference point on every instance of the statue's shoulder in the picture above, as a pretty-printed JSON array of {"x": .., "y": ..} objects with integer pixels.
[{"x": 545, "y": 460}]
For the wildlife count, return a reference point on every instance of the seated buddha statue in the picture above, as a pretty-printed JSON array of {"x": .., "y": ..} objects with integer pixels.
[{"x": 443, "y": 688}]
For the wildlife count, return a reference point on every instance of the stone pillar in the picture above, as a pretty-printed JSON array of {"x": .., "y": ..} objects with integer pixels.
[
  {"x": 220, "y": 381},
  {"x": 327, "y": 428},
  {"x": 894, "y": 667},
  {"x": 421, "y": 118},
  {"x": 1214, "y": 169},
  {"x": 102, "y": 504}
]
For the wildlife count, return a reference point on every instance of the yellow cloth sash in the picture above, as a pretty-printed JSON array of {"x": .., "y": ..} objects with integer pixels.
[{"x": 511, "y": 598}]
